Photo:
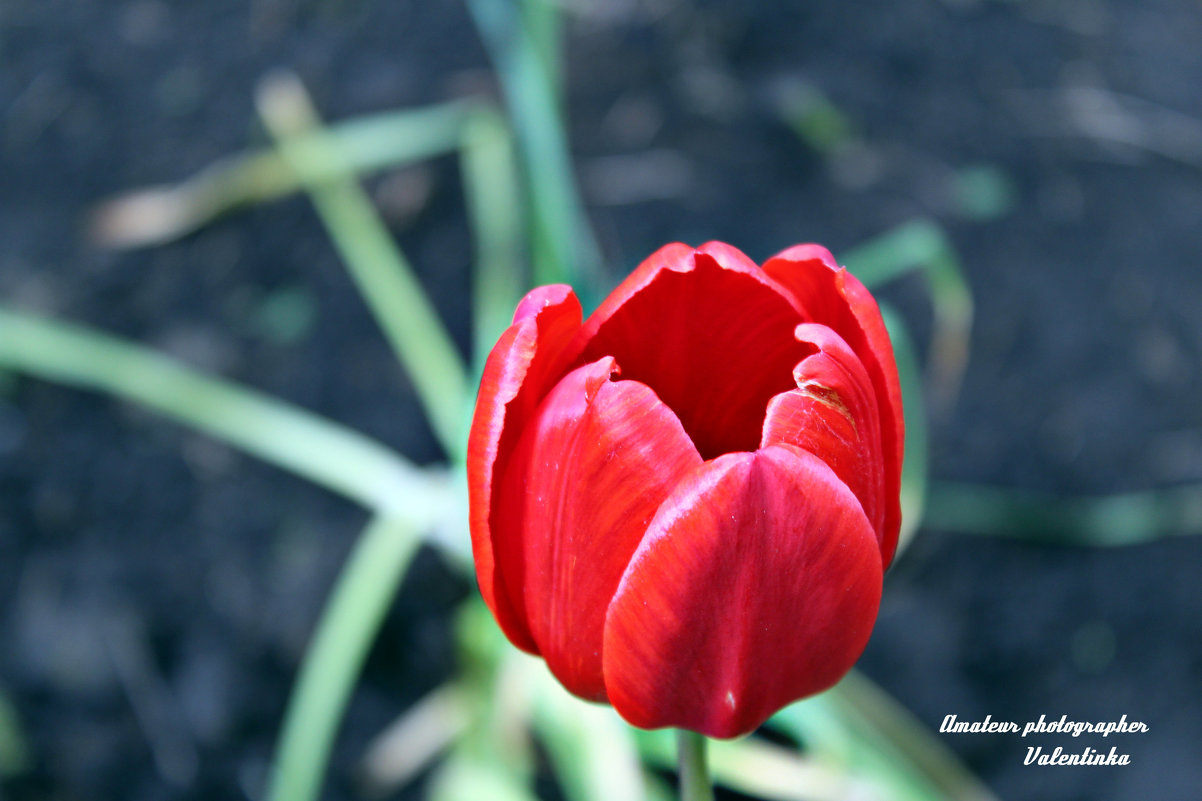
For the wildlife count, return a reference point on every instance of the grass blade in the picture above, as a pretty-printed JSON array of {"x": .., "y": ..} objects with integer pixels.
[
  {"x": 466, "y": 778},
  {"x": 160, "y": 214},
  {"x": 380, "y": 271},
  {"x": 591, "y": 749},
  {"x": 922, "y": 244},
  {"x": 348, "y": 626},
  {"x": 14, "y": 752},
  {"x": 1129, "y": 518},
  {"x": 915, "y": 464},
  {"x": 544, "y": 21},
  {"x": 324, "y": 452},
  {"x": 564, "y": 249},
  {"x": 415, "y": 739},
  {"x": 494, "y": 197},
  {"x": 858, "y": 730},
  {"x": 863, "y": 701}
]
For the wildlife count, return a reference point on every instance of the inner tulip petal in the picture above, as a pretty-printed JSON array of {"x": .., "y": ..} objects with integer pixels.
[
  {"x": 594, "y": 464},
  {"x": 528, "y": 355},
  {"x": 836, "y": 298},
  {"x": 710, "y": 333},
  {"x": 757, "y": 584},
  {"x": 833, "y": 414}
]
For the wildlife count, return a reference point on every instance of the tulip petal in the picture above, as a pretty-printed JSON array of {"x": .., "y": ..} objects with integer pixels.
[
  {"x": 757, "y": 584},
  {"x": 833, "y": 414},
  {"x": 531, "y": 353},
  {"x": 709, "y": 332},
  {"x": 834, "y": 297},
  {"x": 593, "y": 465}
]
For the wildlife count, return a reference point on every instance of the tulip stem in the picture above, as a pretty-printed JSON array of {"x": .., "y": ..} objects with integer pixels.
[{"x": 694, "y": 774}]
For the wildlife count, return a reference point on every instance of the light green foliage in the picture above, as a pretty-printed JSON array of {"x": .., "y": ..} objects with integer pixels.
[
  {"x": 385, "y": 279},
  {"x": 14, "y": 752},
  {"x": 347, "y": 629},
  {"x": 983, "y": 192}
]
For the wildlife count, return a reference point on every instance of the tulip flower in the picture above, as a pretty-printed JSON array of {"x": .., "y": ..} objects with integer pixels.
[{"x": 686, "y": 502}]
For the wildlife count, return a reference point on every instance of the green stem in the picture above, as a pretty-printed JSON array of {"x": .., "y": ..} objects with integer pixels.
[{"x": 694, "y": 775}]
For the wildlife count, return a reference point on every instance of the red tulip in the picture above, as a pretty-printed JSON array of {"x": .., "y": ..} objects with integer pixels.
[{"x": 685, "y": 503}]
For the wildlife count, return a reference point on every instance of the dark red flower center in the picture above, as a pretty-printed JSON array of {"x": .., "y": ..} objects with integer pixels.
[{"x": 714, "y": 344}]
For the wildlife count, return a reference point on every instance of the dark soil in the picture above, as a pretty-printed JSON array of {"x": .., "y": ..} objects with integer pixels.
[{"x": 138, "y": 559}]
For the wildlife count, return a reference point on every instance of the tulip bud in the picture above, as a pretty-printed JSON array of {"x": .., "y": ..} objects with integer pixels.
[{"x": 685, "y": 503}]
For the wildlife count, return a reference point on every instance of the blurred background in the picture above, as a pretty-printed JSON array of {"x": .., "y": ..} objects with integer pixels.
[{"x": 158, "y": 588}]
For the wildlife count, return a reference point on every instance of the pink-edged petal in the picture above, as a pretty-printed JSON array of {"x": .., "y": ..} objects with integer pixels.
[
  {"x": 530, "y": 353},
  {"x": 757, "y": 584},
  {"x": 834, "y": 297},
  {"x": 593, "y": 465},
  {"x": 710, "y": 332},
  {"x": 833, "y": 414}
]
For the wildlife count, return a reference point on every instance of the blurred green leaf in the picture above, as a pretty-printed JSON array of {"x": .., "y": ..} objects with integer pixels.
[
  {"x": 14, "y": 752},
  {"x": 286, "y": 315},
  {"x": 322, "y": 451},
  {"x": 382, "y": 274},
  {"x": 544, "y": 20},
  {"x": 858, "y": 729},
  {"x": 813, "y": 117},
  {"x": 984, "y": 192},
  {"x": 1124, "y": 519},
  {"x": 564, "y": 249},
  {"x": 922, "y": 244},
  {"x": 897, "y": 730},
  {"x": 498, "y": 678},
  {"x": 591, "y": 749},
  {"x": 464, "y": 778},
  {"x": 416, "y": 738},
  {"x": 348, "y": 626},
  {"x": 757, "y": 768},
  {"x": 915, "y": 467},
  {"x": 494, "y": 200},
  {"x": 161, "y": 214}
]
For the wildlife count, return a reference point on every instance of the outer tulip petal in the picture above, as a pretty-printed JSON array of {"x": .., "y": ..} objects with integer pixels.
[
  {"x": 710, "y": 332},
  {"x": 833, "y": 414},
  {"x": 530, "y": 354},
  {"x": 593, "y": 465},
  {"x": 836, "y": 298},
  {"x": 757, "y": 584}
]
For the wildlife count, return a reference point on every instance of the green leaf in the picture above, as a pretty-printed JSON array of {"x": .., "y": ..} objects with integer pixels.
[
  {"x": 1128, "y": 518},
  {"x": 921, "y": 244},
  {"x": 322, "y": 451},
  {"x": 159, "y": 214},
  {"x": 591, "y": 749},
  {"x": 494, "y": 201},
  {"x": 915, "y": 465},
  {"x": 859, "y": 730},
  {"x": 14, "y": 751},
  {"x": 382, "y": 274},
  {"x": 348, "y": 626},
  {"x": 564, "y": 248},
  {"x": 760, "y": 769}
]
